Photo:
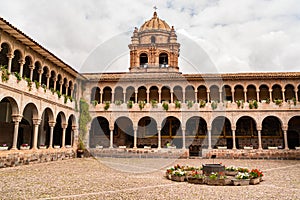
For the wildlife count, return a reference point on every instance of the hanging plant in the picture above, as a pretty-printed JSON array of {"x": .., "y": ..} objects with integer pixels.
[
  {"x": 58, "y": 94},
  {"x": 177, "y": 104},
  {"x": 84, "y": 119},
  {"x": 118, "y": 102},
  {"x": 17, "y": 75},
  {"x": 29, "y": 83},
  {"x": 5, "y": 74},
  {"x": 202, "y": 103},
  {"x": 190, "y": 104},
  {"x": 107, "y": 104},
  {"x": 44, "y": 87},
  {"x": 94, "y": 103},
  {"x": 37, "y": 84},
  {"x": 214, "y": 105},
  {"x": 142, "y": 104},
  {"x": 129, "y": 104},
  {"x": 154, "y": 103}
]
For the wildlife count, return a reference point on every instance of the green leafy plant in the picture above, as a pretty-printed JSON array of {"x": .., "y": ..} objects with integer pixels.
[
  {"x": 255, "y": 104},
  {"x": 154, "y": 103},
  {"x": 66, "y": 97},
  {"x": 29, "y": 83},
  {"x": 44, "y": 87},
  {"x": 165, "y": 105},
  {"x": 17, "y": 75},
  {"x": 37, "y": 84},
  {"x": 142, "y": 104},
  {"x": 268, "y": 100},
  {"x": 107, "y": 105},
  {"x": 213, "y": 176},
  {"x": 71, "y": 98},
  {"x": 94, "y": 102},
  {"x": 129, "y": 104},
  {"x": 214, "y": 105},
  {"x": 177, "y": 104},
  {"x": 84, "y": 119},
  {"x": 202, "y": 103},
  {"x": 52, "y": 90},
  {"x": 118, "y": 102},
  {"x": 5, "y": 74},
  {"x": 190, "y": 104},
  {"x": 242, "y": 175},
  {"x": 58, "y": 94},
  {"x": 278, "y": 102},
  {"x": 295, "y": 101}
]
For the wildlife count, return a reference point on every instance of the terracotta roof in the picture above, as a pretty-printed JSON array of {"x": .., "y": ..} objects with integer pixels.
[
  {"x": 155, "y": 23},
  {"x": 26, "y": 40}
]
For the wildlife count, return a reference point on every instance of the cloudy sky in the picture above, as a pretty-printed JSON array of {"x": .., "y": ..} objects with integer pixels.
[{"x": 237, "y": 36}]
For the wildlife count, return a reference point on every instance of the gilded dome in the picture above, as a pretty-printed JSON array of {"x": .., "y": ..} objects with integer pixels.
[{"x": 155, "y": 24}]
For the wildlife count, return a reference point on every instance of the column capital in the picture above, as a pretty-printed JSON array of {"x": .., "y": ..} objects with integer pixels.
[
  {"x": 17, "y": 117},
  {"x": 74, "y": 127},
  {"x": 51, "y": 123},
  {"x": 10, "y": 55},
  {"x": 36, "y": 121},
  {"x": 284, "y": 127},
  {"x": 22, "y": 61},
  {"x": 64, "y": 126},
  {"x": 233, "y": 128}
]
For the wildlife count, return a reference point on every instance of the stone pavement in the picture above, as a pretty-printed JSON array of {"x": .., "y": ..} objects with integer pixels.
[{"x": 110, "y": 178}]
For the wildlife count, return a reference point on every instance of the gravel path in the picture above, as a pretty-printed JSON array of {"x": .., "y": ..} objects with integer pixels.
[{"x": 110, "y": 178}]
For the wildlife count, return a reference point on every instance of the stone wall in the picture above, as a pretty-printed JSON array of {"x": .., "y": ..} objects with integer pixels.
[{"x": 15, "y": 158}]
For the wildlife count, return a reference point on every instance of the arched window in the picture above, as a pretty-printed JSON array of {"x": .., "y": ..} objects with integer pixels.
[
  {"x": 144, "y": 60},
  {"x": 163, "y": 60},
  {"x": 152, "y": 39}
]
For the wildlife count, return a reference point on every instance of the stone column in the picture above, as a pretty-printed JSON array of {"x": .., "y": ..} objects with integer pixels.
[
  {"x": 63, "y": 139},
  {"x": 124, "y": 97},
  {"x": 148, "y": 94},
  {"x": 48, "y": 80},
  {"x": 183, "y": 97},
  {"x": 196, "y": 96},
  {"x": 220, "y": 95},
  {"x": 283, "y": 95},
  {"x": 40, "y": 74},
  {"x": 67, "y": 88},
  {"x": 159, "y": 96},
  {"x": 60, "y": 86},
  {"x": 209, "y": 137},
  {"x": 136, "y": 96},
  {"x": 259, "y": 139},
  {"x": 245, "y": 95},
  {"x": 208, "y": 99},
  {"x": 112, "y": 97},
  {"x": 233, "y": 138},
  {"x": 22, "y": 62},
  {"x": 135, "y": 138},
  {"x": 10, "y": 56},
  {"x": 183, "y": 137},
  {"x": 271, "y": 98},
  {"x": 16, "y": 120},
  {"x": 54, "y": 83},
  {"x": 51, "y": 124},
  {"x": 111, "y": 138},
  {"x": 257, "y": 95},
  {"x": 232, "y": 94},
  {"x": 36, "y": 123},
  {"x": 31, "y": 67},
  {"x": 74, "y": 136},
  {"x": 296, "y": 95},
  {"x": 159, "y": 138},
  {"x": 172, "y": 96},
  {"x": 101, "y": 97},
  {"x": 286, "y": 145}
]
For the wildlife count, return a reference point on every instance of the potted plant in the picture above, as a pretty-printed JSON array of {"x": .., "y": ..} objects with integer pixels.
[
  {"x": 58, "y": 94},
  {"x": 3, "y": 147},
  {"x": 5, "y": 74},
  {"x": 255, "y": 176},
  {"x": 24, "y": 146},
  {"x": 231, "y": 171},
  {"x": 216, "y": 179},
  {"x": 196, "y": 177},
  {"x": 169, "y": 172},
  {"x": 107, "y": 104},
  {"x": 240, "y": 103},
  {"x": 154, "y": 103},
  {"x": 178, "y": 175},
  {"x": 118, "y": 102},
  {"x": 29, "y": 83},
  {"x": 202, "y": 103},
  {"x": 37, "y": 84},
  {"x": 214, "y": 105},
  {"x": 94, "y": 103},
  {"x": 278, "y": 102},
  {"x": 165, "y": 105},
  {"x": 142, "y": 104},
  {"x": 17, "y": 75},
  {"x": 242, "y": 178},
  {"x": 129, "y": 104},
  {"x": 190, "y": 104},
  {"x": 177, "y": 104}
]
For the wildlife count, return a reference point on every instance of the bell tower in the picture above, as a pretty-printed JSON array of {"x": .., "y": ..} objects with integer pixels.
[{"x": 154, "y": 47}]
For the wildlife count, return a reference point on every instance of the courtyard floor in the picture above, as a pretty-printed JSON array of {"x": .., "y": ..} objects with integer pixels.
[{"x": 112, "y": 178}]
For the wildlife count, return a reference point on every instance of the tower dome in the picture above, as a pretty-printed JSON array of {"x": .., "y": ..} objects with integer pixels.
[{"x": 155, "y": 24}]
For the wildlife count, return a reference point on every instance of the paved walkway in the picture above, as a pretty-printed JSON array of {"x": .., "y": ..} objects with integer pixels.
[{"x": 109, "y": 178}]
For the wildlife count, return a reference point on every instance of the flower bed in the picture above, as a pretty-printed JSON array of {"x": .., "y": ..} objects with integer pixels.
[{"x": 237, "y": 176}]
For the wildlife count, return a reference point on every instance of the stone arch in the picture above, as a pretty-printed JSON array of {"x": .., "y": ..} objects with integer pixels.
[
  {"x": 37, "y": 67},
  {"x": 271, "y": 133},
  {"x": 26, "y": 66},
  {"x": 163, "y": 59},
  {"x": 5, "y": 50},
  {"x": 58, "y": 129},
  {"x": 226, "y": 93},
  {"x": 190, "y": 93},
  {"x": 251, "y": 93},
  {"x": 44, "y": 128},
  {"x": 15, "y": 64},
  {"x": 293, "y": 132},
  {"x": 70, "y": 88},
  {"x": 99, "y": 132},
  {"x": 142, "y": 93},
  {"x": 123, "y": 132},
  {"x": 130, "y": 93},
  {"x": 14, "y": 110},
  {"x": 196, "y": 127},
  {"x": 221, "y": 132},
  {"x": 107, "y": 94},
  {"x": 177, "y": 93},
  {"x": 214, "y": 93},
  {"x": 69, "y": 140},
  {"x": 59, "y": 82},
  {"x": 147, "y": 132},
  {"x": 276, "y": 92},
  {"x": 52, "y": 79},
  {"x": 118, "y": 96},
  {"x": 202, "y": 93},
  {"x": 289, "y": 92},
  {"x": 171, "y": 131},
  {"x": 246, "y": 132},
  {"x": 45, "y": 75},
  {"x": 264, "y": 93},
  {"x": 239, "y": 93},
  {"x": 95, "y": 94},
  {"x": 153, "y": 93},
  {"x": 64, "y": 86},
  {"x": 165, "y": 94}
]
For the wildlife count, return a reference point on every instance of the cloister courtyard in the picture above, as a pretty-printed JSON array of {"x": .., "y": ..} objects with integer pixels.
[{"x": 134, "y": 178}]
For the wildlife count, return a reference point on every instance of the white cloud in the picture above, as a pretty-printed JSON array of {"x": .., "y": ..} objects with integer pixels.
[{"x": 249, "y": 35}]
